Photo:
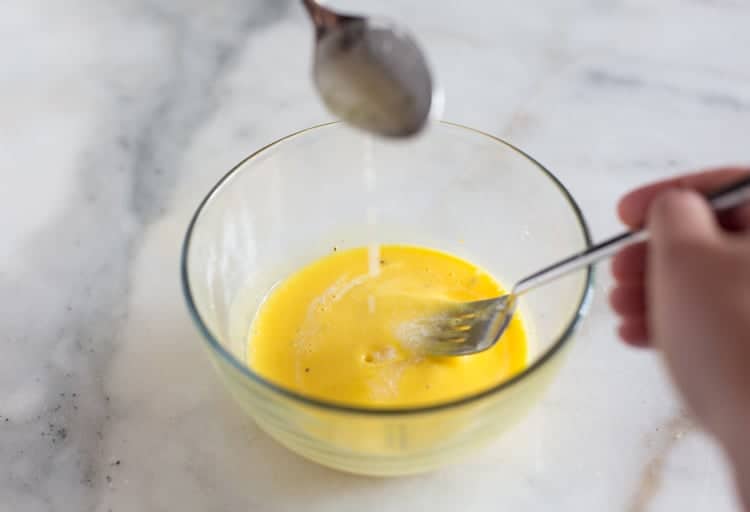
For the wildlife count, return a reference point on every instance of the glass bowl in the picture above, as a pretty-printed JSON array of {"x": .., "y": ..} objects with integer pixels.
[{"x": 454, "y": 189}]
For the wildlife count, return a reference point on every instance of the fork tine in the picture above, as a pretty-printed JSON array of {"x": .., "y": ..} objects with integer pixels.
[{"x": 465, "y": 328}]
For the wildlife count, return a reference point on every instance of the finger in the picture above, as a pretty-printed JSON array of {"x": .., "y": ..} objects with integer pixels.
[
  {"x": 634, "y": 332},
  {"x": 679, "y": 220},
  {"x": 629, "y": 265},
  {"x": 633, "y": 207},
  {"x": 628, "y": 300}
]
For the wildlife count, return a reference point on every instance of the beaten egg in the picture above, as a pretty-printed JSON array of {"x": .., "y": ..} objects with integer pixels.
[{"x": 339, "y": 329}]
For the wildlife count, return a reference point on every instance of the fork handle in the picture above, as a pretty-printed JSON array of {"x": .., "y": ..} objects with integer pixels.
[{"x": 725, "y": 198}]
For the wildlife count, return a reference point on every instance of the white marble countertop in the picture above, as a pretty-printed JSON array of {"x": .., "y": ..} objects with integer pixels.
[{"x": 118, "y": 116}]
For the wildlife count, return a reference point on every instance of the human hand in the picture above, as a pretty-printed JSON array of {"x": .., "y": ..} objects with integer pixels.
[{"x": 687, "y": 293}]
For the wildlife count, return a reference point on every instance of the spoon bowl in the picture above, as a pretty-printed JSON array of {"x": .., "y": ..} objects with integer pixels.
[{"x": 371, "y": 74}]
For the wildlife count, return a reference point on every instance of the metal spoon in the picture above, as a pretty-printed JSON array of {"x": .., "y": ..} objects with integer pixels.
[
  {"x": 370, "y": 74},
  {"x": 466, "y": 328}
]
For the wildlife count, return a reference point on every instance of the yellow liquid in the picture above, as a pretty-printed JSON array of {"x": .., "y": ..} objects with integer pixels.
[{"x": 340, "y": 329}]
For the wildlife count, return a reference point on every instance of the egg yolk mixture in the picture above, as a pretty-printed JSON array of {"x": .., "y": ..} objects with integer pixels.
[{"x": 339, "y": 329}]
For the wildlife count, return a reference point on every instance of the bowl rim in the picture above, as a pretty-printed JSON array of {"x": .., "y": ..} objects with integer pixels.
[{"x": 331, "y": 405}]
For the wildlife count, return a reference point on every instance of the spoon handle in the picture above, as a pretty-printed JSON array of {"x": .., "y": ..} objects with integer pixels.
[
  {"x": 323, "y": 18},
  {"x": 725, "y": 198}
]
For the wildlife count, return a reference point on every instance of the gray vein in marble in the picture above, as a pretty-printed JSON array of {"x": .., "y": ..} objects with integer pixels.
[
  {"x": 186, "y": 98},
  {"x": 601, "y": 77},
  {"x": 81, "y": 261},
  {"x": 723, "y": 3}
]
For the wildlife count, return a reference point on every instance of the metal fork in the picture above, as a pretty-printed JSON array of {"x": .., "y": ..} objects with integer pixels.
[{"x": 470, "y": 327}]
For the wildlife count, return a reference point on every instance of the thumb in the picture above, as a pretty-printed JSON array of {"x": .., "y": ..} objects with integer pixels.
[{"x": 679, "y": 220}]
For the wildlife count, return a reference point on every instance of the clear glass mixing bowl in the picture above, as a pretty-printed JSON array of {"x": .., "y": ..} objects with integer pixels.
[{"x": 455, "y": 189}]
